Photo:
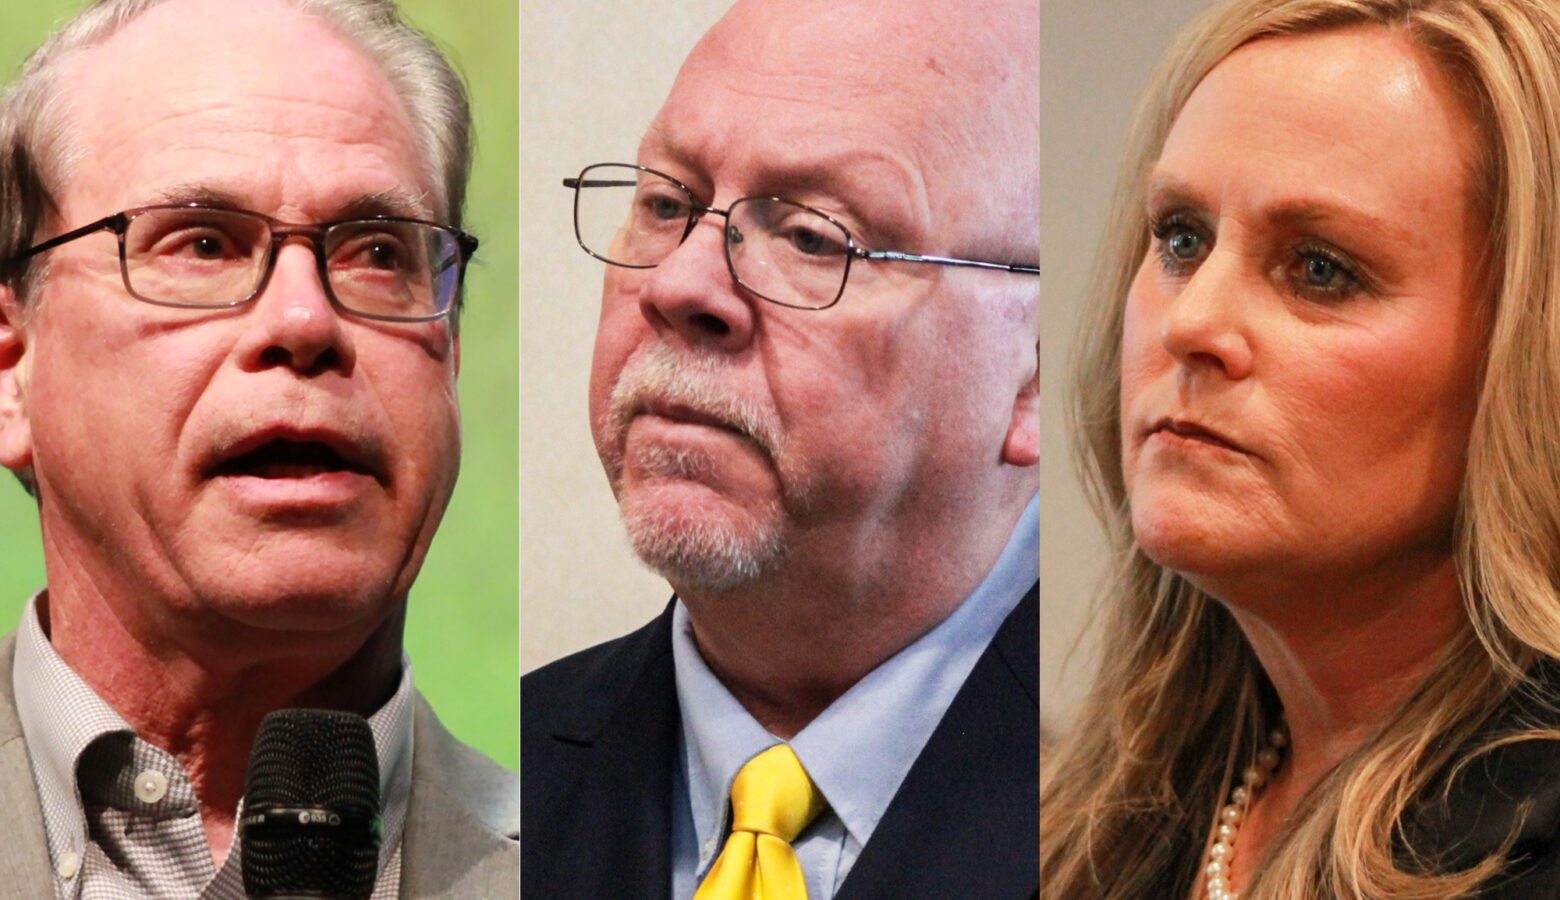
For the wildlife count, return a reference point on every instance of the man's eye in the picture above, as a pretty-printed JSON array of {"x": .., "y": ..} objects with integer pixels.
[
  {"x": 668, "y": 208},
  {"x": 809, "y": 241},
  {"x": 371, "y": 251},
  {"x": 382, "y": 256},
  {"x": 204, "y": 245}
]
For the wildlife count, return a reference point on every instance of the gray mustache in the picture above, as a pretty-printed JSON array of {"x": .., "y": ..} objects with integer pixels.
[{"x": 661, "y": 376}]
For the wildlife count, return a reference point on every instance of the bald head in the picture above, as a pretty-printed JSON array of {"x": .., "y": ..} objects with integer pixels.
[{"x": 957, "y": 82}]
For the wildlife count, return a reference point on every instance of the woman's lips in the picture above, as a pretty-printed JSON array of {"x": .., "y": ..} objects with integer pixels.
[{"x": 1187, "y": 430}]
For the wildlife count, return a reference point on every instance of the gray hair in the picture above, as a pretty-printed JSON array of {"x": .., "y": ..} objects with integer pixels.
[{"x": 37, "y": 152}]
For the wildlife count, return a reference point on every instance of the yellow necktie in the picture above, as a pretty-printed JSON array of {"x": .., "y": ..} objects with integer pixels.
[{"x": 772, "y": 800}]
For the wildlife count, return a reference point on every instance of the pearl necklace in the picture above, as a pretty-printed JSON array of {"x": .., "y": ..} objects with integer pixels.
[{"x": 1226, "y": 826}]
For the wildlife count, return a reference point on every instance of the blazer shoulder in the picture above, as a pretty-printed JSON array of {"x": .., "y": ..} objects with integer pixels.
[
  {"x": 571, "y": 697},
  {"x": 488, "y": 790},
  {"x": 1501, "y": 797},
  {"x": 463, "y": 821}
]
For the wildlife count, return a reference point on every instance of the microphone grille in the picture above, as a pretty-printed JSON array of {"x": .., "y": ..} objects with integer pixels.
[{"x": 310, "y": 759}]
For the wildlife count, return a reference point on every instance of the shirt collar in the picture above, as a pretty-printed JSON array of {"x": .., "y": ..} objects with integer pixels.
[
  {"x": 61, "y": 715},
  {"x": 859, "y": 749}
]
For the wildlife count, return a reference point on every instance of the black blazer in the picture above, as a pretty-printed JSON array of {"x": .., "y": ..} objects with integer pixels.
[
  {"x": 1511, "y": 794},
  {"x": 599, "y": 740}
]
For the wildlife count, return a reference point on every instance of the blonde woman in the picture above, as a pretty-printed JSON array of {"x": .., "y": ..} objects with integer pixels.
[{"x": 1318, "y": 407}]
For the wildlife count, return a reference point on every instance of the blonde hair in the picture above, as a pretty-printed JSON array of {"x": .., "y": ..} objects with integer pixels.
[{"x": 1129, "y": 795}]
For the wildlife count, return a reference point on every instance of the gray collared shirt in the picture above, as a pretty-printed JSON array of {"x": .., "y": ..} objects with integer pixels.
[
  {"x": 857, "y": 751},
  {"x": 121, "y": 814}
]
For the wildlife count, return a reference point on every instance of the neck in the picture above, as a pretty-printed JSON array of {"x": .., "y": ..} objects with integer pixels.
[
  {"x": 200, "y": 695},
  {"x": 789, "y": 646},
  {"x": 1342, "y": 661}
]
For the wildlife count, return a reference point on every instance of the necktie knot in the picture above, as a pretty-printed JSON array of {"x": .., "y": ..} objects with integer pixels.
[
  {"x": 772, "y": 800},
  {"x": 773, "y": 795}
]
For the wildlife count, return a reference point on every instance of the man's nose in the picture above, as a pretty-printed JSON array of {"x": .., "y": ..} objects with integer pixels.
[
  {"x": 292, "y": 322},
  {"x": 693, "y": 292}
]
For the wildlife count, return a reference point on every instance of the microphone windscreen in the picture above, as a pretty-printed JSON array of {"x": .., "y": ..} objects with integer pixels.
[{"x": 310, "y": 826}]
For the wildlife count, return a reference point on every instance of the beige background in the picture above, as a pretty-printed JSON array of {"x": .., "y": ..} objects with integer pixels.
[
  {"x": 1095, "y": 59},
  {"x": 593, "y": 74}
]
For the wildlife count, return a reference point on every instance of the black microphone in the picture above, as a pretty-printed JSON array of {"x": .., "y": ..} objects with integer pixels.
[{"x": 311, "y": 824}]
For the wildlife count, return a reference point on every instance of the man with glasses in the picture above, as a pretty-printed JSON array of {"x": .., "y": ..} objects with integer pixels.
[
  {"x": 814, "y": 393},
  {"x": 230, "y": 274}
]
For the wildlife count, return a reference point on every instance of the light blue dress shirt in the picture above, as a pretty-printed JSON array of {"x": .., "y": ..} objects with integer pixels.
[{"x": 857, "y": 751}]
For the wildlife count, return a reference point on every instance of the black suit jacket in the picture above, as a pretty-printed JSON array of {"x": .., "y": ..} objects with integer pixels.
[
  {"x": 1502, "y": 803},
  {"x": 599, "y": 742}
]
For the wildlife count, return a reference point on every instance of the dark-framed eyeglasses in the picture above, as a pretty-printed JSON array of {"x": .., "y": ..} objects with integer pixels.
[
  {"x": 784, "y": 252},
  {"x": 391, "y": 268}
]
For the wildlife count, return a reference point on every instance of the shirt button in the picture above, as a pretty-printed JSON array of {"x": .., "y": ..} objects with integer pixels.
[
  {"x": 151, "y": 786},
  {"x": 69, "y": 865}
]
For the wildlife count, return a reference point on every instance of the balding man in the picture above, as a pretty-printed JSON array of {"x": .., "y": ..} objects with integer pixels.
[
  {"x": 230, "y": 266},
  {"x": 815, "y": 397}
]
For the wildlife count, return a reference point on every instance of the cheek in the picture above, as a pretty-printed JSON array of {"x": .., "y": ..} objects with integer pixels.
[
  {"x": 93, "y": 385},
  {"x": 620, "y": 330},
  {"x": 1143, "y": 358},
  {"x": 1384, "y": 416}
]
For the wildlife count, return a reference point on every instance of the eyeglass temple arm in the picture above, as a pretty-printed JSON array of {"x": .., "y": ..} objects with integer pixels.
[
  {"x": 573, "y": 183},
  {"x": 943, "y": 261},
  {"x": 115, "y": 222}
]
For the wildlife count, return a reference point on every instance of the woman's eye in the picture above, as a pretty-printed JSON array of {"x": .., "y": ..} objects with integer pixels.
[
  {"x": 1184, "y": 245},
  {"x": 1181, "y": 244},
  {"x": 1320, "y": 273}
]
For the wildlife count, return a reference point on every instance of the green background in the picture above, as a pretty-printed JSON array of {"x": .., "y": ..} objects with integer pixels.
[{"x": 463, "y": 625}]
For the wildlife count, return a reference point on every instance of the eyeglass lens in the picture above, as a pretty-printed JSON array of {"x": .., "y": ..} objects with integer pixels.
[
  {"x": 777, "y": 249},
  {"x": 191, "y": 256}
]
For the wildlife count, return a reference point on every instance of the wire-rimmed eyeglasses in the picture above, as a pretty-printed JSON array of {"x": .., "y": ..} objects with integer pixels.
[
  {"x": 192, "y": 256},
  {"x": 782, "y": 251}
]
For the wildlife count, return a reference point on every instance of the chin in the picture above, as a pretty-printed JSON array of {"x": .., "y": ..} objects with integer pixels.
[
  {"x": 1185, "y": 541},
  {"x": 701, "y": 544},
  {"x": 312, "y": 592}
]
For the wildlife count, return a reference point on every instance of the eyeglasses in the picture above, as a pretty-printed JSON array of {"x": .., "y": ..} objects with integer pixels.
[
  {"x": 784, "y": 252},
  {"x": 380, "y": 267}
]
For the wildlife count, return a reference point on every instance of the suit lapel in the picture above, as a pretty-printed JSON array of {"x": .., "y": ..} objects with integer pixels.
[
  {"x": 965, "y": 823},
  {"x": 606, "y": 817},
  {"x": 460, "y": 838},
  {"x": 24, "y": 845}
]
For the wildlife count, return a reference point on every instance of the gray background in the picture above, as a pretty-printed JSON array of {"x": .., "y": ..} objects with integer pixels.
[{"x": 1096, "y": 57}]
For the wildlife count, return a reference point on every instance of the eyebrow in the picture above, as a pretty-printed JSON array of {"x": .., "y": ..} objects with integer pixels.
[
  {"x": 1165, "y": 191},
  {"x": 382, "y": 203},
  {"x": 890, "y": 214}
]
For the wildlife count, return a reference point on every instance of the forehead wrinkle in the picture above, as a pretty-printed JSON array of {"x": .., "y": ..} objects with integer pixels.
[
  {"x": 268, "y": 108},
  {"x": 378, "y": 203}
]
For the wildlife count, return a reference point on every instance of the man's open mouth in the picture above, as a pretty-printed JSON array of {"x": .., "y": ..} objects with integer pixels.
[{"x": 283, "y": 458}]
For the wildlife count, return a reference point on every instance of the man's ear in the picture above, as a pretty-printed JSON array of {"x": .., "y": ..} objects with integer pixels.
[
  {"x": 1022, "y": 445},
  {"x": 15, "y": 426}
]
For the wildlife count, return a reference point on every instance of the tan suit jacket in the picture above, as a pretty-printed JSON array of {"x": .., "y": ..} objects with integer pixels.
[{"x": 462, "y": 825}]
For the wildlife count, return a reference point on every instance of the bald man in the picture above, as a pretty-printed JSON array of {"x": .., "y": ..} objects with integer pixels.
[{"x": 814, "y": 393}]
